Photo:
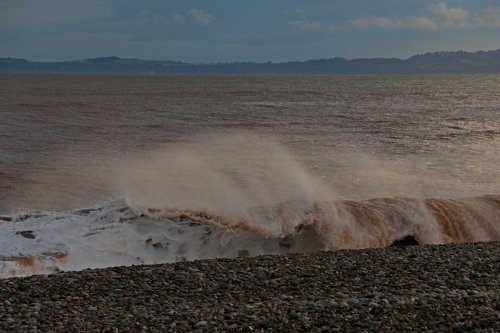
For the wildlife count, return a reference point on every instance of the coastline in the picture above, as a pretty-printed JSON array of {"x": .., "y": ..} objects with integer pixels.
[{"x": 434, "y": 287}]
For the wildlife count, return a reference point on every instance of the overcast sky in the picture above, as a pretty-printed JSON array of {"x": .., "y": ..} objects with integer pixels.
[{"x": 244, "y": 30}]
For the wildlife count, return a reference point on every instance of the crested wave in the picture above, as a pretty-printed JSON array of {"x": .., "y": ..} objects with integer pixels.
[{"x": 118, "y": 233}]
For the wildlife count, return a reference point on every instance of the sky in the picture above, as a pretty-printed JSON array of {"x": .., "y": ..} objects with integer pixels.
[{"x": 209, "y": 31}]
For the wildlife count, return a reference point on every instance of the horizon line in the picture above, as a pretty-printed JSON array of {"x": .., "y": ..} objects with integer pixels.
[{"x": 250, "y": 61}]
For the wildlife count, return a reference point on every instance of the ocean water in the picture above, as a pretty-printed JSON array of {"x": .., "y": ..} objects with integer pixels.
[{"x": 98, "y": 171}]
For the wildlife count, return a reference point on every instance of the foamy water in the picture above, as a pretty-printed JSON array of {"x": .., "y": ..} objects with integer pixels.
[
  {"x": 172, "y": 169},
  {"x": 116, "y": 234}
]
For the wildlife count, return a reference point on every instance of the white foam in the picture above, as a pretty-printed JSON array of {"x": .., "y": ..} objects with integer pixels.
[{"x": 111, "y": 235}]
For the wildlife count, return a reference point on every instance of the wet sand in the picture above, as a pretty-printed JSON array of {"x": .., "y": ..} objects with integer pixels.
[{"x": 414, "y": 288}]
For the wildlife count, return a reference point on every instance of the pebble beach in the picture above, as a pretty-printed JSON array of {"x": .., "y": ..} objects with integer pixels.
[{"x": 454, "y": 287}]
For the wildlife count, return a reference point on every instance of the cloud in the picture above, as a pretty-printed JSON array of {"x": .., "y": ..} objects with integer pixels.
[
  {"x": 200, "y": 17},
  {"x": 491, "y": 18},
  {"x": 422, "y": 23},
  {"x": 440, "y": 17},
  {"x": 374, "y": 22},
  {"x": 459, "y": 18},
  {"x": 453, "y": 15},
  {"x": 32, "y": 12},
  {"x": 410, "y": 22},
  {"x": 450, "y": 17},
  {"x": 178, "y": 18},
  {"x": 306, "y": 25}
]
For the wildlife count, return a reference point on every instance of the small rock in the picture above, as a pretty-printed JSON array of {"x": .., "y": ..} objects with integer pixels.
[{"x": 201, "y": 323}]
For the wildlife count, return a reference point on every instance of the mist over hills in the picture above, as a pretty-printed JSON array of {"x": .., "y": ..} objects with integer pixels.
[{"x": 460, "y": 62}]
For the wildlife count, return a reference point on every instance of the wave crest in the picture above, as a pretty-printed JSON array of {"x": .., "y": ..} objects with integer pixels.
[{"x": 117, "y": 234}]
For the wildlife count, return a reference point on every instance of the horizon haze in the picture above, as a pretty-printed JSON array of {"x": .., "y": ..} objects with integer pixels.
[
  {"x": 198, "y": 31},
  {"x": 460, "y": 62}
]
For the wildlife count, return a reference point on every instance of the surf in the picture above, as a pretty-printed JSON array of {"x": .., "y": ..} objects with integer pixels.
[{"x": 115, "y": 233}]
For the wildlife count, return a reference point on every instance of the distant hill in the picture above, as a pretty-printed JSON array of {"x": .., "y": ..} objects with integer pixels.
[{"x": 487, "y": 62}]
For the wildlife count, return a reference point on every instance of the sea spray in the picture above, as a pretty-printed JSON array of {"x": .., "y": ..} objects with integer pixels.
[
  {"x": 232, "y": 195},
  {"x": 232, "y": 171},
  {"x": 225, "y": 174},
  {"x": 114, "y": 234}
]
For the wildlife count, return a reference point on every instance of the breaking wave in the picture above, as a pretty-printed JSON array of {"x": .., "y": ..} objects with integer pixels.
[
  {"x": 238, "y": 195},
  {"x": 118, "y": 233}
]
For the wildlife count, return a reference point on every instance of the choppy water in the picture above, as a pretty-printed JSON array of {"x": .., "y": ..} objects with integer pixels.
[{"x": 203, "y": 167}]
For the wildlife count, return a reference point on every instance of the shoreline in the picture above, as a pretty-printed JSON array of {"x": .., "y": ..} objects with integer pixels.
[{"x": 432, "y": 287}]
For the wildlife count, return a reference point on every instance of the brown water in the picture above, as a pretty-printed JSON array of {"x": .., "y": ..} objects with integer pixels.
[
  {"x": 204, "y": 167},
  {"x": 361, "y": 137}
]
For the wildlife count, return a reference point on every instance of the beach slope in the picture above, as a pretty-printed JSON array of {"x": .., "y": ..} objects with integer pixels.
[{"x": 413, "y": 288}]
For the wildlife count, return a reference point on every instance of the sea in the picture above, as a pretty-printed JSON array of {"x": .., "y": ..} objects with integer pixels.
[{"x": 99, "y": 171}]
